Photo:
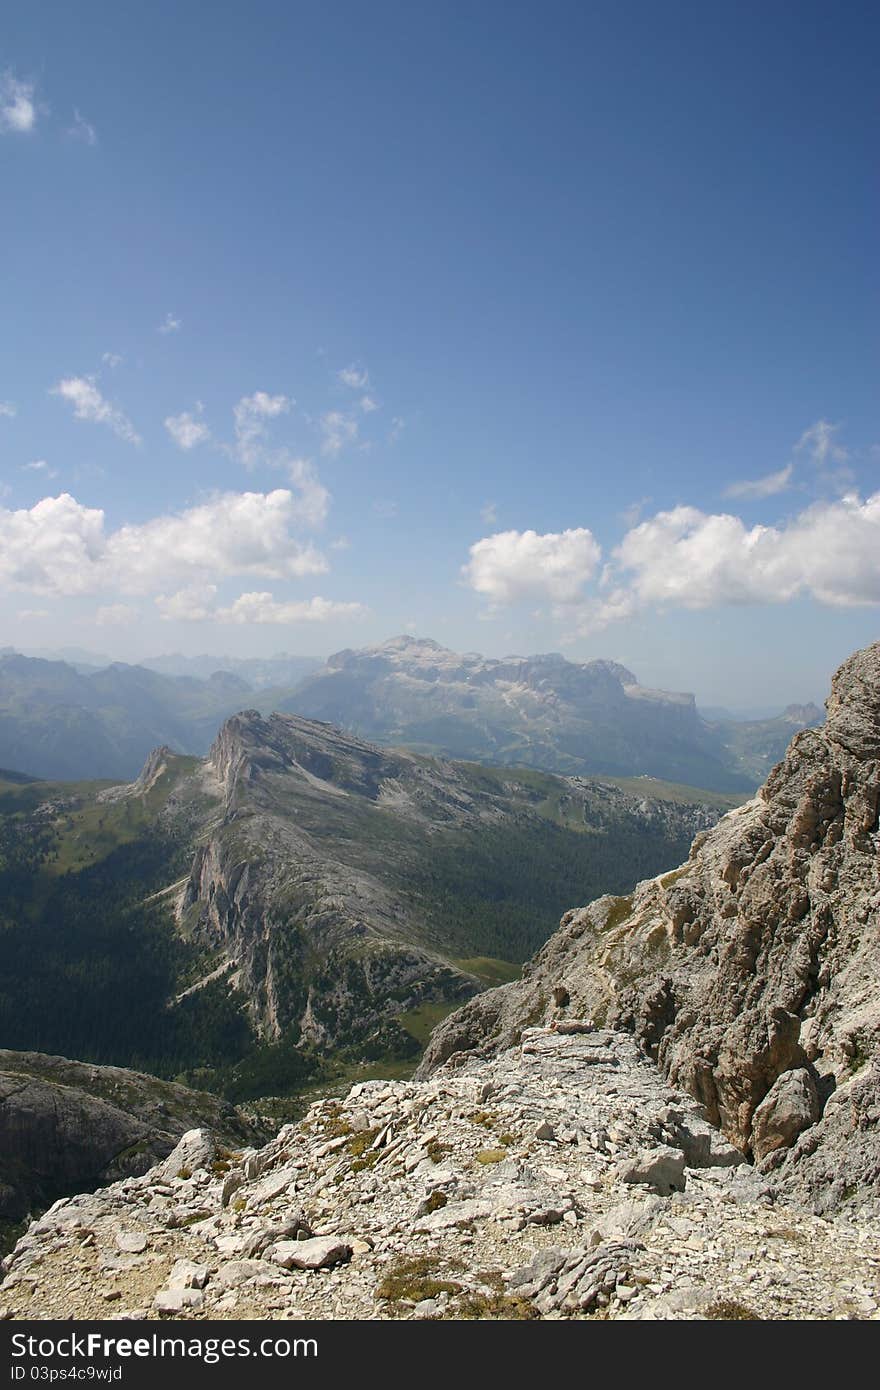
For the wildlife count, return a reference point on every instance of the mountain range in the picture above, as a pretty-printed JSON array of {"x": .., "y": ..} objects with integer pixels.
[
  {"x": 60, "y": 720},
  {"x": 674, "y": 1112},
  {"x": 541, "y": 711},
  {"x": 297, "y": 896}
]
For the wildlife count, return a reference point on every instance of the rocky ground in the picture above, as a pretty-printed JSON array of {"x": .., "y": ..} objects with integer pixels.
[{"x": 561, "y": 1178}]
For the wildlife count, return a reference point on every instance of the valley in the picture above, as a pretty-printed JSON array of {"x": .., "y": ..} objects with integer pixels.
[{"x": 300, "y": 900}]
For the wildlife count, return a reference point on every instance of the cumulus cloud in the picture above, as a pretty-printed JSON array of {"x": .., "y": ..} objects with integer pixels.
[
  {"x": 111, "y": 359},
  {"x": 186, "y": 429},
  {"x": 197, "y": 604},
  {"x": 767, "y": 486},
  {"x": 88, "y": 404},
  {"x": 337, "y": 430},
  {"x": 314, "y": 499},
  {"x": 263, "y": 608},
  {"x": 251, "y": 414},
  {"x": 514, "y": 565},
  {"x": 686, "y": 558},
  {"x": 368, "y": 404},
  {"x": 9, "y": 409},
  {"x": 170, "y": 324},
  {"x": 82, "y": 129},
  {"x": 18, "y": 107},
  {"x": 60, "y": 547},
  {"x": 357, "y": 378},
  {"x": 193, "y": 604}
]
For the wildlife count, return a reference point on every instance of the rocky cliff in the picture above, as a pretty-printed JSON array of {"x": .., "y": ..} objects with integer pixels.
[
  {"x": 750, "y": 973},
  {"x": 323, "y": 885},
  {"x": 579, "y": 718},
  {"x": 65, "y": 1126}
]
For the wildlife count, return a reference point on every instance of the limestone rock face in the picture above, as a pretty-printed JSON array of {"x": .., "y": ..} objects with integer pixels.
[
  {"x": 758, "y": 957},
  {"x": 789, "y": 1107},
  {"x": 65, "y": 1126}
]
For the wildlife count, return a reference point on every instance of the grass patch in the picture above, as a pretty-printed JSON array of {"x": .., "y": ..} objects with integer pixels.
[
  {"x": 728, "y": 1310},
  {"x": 492, "y": 1305},
  {"x": 490, "y": 970},
  {"x": 421, "y": 1021},
  {"x": 412, "y": 1279}
]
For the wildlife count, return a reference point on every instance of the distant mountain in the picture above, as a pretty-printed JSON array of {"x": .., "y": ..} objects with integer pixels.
[
  {"x": 300, "y": 891},
  {"x": 540, "y": 711},
  {"x": 261, "y": 673},
  {"x": 749, "y": 973},
  {"x": 755, "y": 746},
  {"x": 59, "y": 722}
]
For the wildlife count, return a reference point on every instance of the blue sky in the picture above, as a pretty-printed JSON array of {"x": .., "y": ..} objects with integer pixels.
[{"x": 525, "y": 327}]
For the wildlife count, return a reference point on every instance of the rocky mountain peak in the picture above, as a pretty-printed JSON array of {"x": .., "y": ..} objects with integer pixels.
[
  {"x": 853, "y": 707},
  {"x": 749, "y": 973}
]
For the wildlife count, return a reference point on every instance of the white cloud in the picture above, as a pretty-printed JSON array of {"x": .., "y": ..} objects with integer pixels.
[
  {"x": 358, "y": 378},
  {"x": 32, "y": 614},
  {"x": 768, "y": 486},
  {"x": 251, "y": 414},
  {"x": 82, "y": 129},
  {"x": 60, "y": 547},
  {"x": 341, "y": 543},
  {"x": 489, "y": 514},
  {"x": 40, "y": 466},
  {"x": 18, "y": 107},
  {"x": 314, "y": 499},
  {"x": 9, "y": 409},
  {"x": 685, "y": 558},
  {"x": 170, "y": 324},
  {"x": 263, "y": 608},
  {"x": 368, "y": 404},
  {"x": 194, "y": 604},
  {"x": 187, "y": 430},
  {"x": 198, "y": 604},
  {"x": 513, "y": 565},
  {"x": 111, "y": 359},
  {"x": 116, "y": 615},
  {"x": 819, "y": 444},
  {"x": 398, "y": 425},
  {"x": 338, "y": 431},
  {"x": 88, "y": 404}
]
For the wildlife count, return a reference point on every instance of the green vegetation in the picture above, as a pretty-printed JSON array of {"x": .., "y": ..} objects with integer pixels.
[
  {"x": 678, "y": 792},
  {"x": 491, "y": 972},
  {"x": 494, "y": 1306},
  {"x": 410, "y": 1279},
  {"x": 422, "y": 1021},
  {"x": 501, "y": 893},
  {"x": 727, "y": 1310}
]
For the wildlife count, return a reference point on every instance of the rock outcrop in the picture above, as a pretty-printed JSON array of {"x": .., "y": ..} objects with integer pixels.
[
  {"x": 561, "y": 1178},
  {"x": 311, "y": 881},
  {"x": 750, "y": 973},
  {"x": 582, "y": 718},
  {"x": 66, "y": 1126}
]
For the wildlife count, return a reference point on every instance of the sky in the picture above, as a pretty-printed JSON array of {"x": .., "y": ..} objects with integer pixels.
[{"x": 525, "y": 327}]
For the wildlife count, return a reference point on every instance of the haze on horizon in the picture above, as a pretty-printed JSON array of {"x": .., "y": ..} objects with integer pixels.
[{"x": 527, "y": 329}]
